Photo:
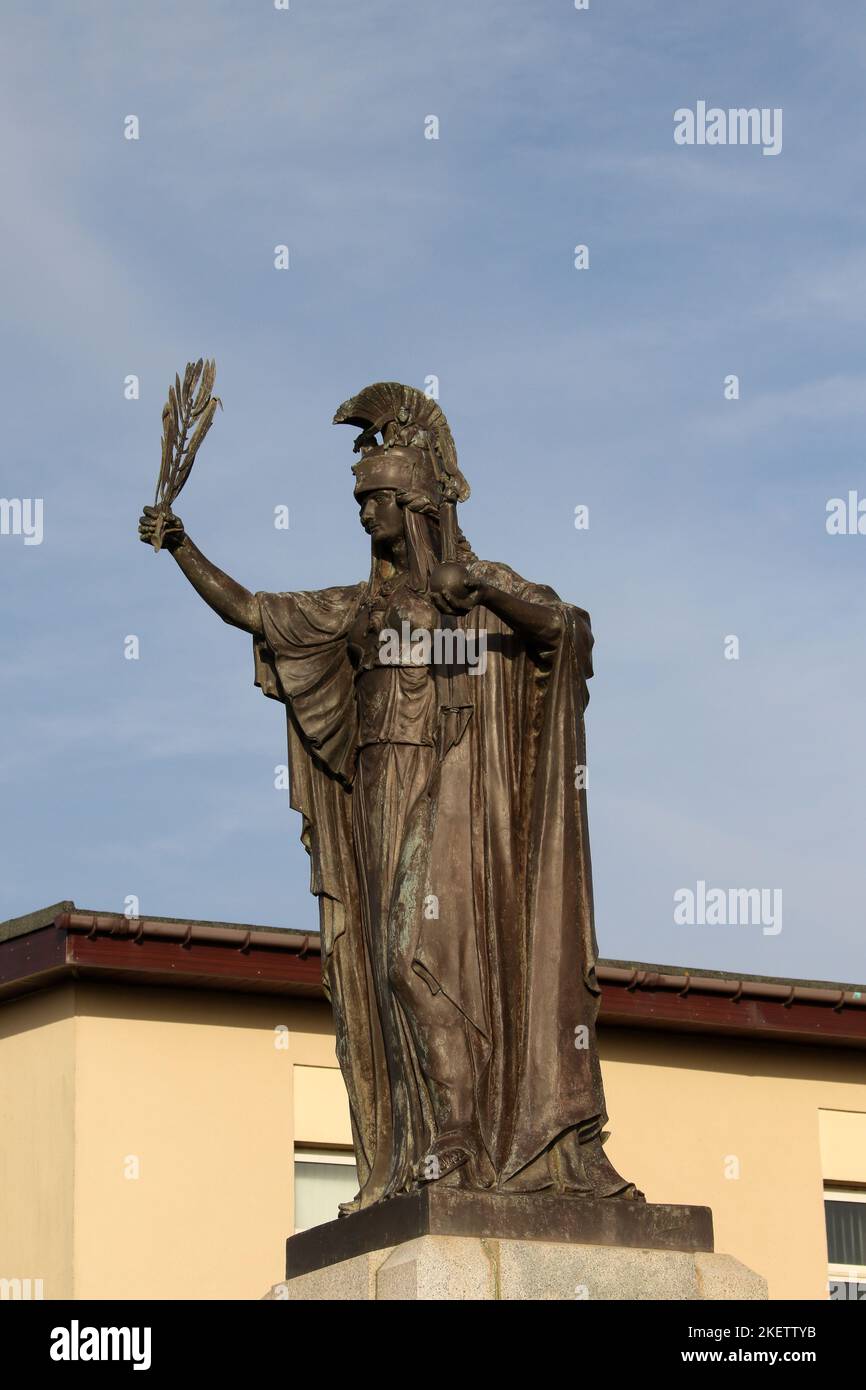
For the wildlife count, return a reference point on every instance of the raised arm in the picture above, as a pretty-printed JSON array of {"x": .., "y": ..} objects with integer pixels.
[{"x": 233, "y": 603}]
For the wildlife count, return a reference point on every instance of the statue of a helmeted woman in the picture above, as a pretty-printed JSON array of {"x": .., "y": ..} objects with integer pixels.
[{"x": 445, "y": 819}]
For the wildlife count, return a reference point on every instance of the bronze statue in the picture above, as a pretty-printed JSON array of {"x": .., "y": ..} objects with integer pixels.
[{"x": 445, "y": 819}]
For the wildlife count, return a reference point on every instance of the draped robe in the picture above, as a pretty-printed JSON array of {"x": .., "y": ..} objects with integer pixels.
[{"x": 500, "y": 838}]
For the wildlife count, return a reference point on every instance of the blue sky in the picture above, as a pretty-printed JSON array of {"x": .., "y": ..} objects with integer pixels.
[{"x": 602, "y": 387}]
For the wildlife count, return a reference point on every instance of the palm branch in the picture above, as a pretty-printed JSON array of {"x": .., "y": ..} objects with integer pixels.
[{"x": 186, "y": 418}]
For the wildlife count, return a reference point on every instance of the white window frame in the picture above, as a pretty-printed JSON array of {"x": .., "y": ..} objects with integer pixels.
[
  {"x": 854, "y": 1274},
  {"x": 344, "y": 1156},
  {"x": 340, "y": 1157}
]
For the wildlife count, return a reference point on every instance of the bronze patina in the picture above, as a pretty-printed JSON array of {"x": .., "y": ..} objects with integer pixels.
[{"x": 445, "y": 818}]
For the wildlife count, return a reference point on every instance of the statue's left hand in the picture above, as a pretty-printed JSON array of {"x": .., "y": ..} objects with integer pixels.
[{"x": 452, "y": 590}]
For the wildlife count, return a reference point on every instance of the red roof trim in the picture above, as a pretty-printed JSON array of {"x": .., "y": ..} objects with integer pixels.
[{"x": 110, "y": 946}]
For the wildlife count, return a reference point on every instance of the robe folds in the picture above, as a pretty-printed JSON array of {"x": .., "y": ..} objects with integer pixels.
[{"x": 497, "y": 841}]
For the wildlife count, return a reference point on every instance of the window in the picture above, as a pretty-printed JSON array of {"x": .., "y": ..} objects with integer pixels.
[
  {"x": 845, "y": 1212},
  {"x": 323, "y": 1179}
]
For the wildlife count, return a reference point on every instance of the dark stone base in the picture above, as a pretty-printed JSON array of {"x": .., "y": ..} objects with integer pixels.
[{"x": 444, "y": 1211}]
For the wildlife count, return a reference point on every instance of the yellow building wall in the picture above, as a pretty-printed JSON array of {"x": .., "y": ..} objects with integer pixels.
[
  {"x": 321, "y": 1108},
  {"x": 147, "y": 1134},
  {"x": 37, "y": 1141},
  {"x": 843, "y": 1146},
  {"x": 736, "y": 1126},
  {"x": 184, "y": 1173}
]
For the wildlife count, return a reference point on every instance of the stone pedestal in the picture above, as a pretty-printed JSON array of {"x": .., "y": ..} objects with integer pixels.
[
  {"x": 466, "y": 1267},
  {"x": 443, "y": 1243}
]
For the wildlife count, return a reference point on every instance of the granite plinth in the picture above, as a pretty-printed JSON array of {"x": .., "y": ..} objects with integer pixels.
[{"x": 466, "y": 1268}]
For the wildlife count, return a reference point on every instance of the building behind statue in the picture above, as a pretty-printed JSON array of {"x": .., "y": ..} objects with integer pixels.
[{"x": 172, "y": 1108}]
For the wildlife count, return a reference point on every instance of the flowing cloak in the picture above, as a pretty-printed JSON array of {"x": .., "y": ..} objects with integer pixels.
[{"x": 501, "y": 840}]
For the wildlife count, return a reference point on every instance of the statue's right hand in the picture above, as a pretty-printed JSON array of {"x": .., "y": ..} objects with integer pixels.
[{"x": 172, "y": 532}]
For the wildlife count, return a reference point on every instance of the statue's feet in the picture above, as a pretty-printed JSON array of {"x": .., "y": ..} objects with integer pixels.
[
  {"x": 629, "y": 1193},
  {"x": 346, "y": 1208},
  {"x": 602, "y": 1177}
]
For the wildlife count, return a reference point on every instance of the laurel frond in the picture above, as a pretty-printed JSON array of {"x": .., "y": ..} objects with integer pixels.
[
  {"x": 192, "y": 449},
  {"x": 186, "y": 418}
]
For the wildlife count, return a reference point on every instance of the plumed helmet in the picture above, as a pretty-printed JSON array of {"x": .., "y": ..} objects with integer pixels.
[{"x": 415, "y": 449}]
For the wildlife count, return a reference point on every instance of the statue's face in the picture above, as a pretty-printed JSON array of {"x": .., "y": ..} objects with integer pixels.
[{"x": 381, "y": 517}]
